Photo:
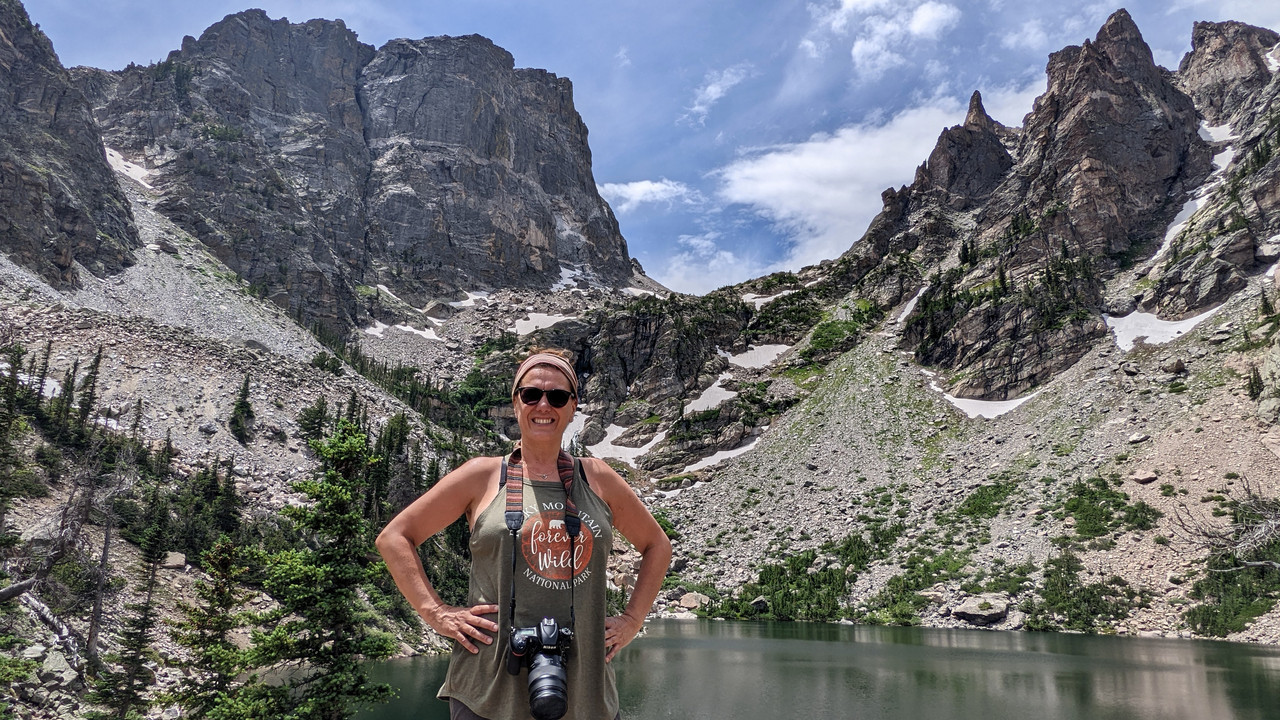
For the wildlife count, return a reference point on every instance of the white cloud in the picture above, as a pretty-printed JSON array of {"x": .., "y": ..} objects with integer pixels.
[
  {"x": 625, "y": 197},
  {"x": 1008, "y": 105},
  {"x": 932, "y": 19},
  {"x": 822, "y": 193},
  {"x": 872, "y": 57},
  {"x": 715, "y": 86},
  {"x": 622, "y": 57},
  {"x": 1030, "y": 36},
  {"x": 702, "y": 265},
  {"x": 884, "y": 32}
]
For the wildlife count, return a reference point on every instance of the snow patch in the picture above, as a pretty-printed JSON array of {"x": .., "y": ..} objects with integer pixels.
[
  {"x": 760, "y": 300},
  {"x": 757, "y": 356},
  {"x": 606, "y": 449},
  {"x": 982, "y": 408},
  {"x": 1216, "y": 133},
  {"x": 429, "y": 333},
  {"x": 722, "y": 455},
  {"x": 472, "y": 297},
  {"x": 637, "y": 292},
  {"x": 379, "y": 329},
  {"x": 1273, "y": 59},
  {"x": 537, "y": 321},
  {"x": 911, "y": 305},
  {"x": 711, "y": 397},
  {"x": 124, "y": 167},
  {"x": 568, "y": 277},
  {"x": 389, "y": 294},
  {"x": 1151, "y": 329}
]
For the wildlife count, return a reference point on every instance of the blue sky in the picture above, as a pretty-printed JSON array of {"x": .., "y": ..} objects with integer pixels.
[{"x": 732, "y": 137}]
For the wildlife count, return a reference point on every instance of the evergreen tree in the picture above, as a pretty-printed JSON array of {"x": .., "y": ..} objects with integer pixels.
[
  {"x": 241, "y": 413},
  {"x": 216, "y": 686},
  {"x": 88, "y": 392},
  {"x": 1267, "y": 308},
  {"x": 61, "y": 411},
  {"x": 322, "y": 620},
  {"x": 121, "y": 689},
  {"x": 39, "y": 378},
  {"x": 314, "y": 419},
  {"x": 1255, "y": 383}
]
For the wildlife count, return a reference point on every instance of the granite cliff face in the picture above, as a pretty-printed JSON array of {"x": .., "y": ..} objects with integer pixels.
[
  {"x": 314, "y": 165},
  {"x": 60, "y": 206},
  {"x": 1020, "y": 247}
]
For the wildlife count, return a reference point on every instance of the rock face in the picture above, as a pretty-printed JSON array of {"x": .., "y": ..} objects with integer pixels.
[
  {"x": 59, "y": 202},
  {"x": 314, "y": 165},
  {"x": 1226, "y": 68},
  {"x": 1104, "y": 161}
]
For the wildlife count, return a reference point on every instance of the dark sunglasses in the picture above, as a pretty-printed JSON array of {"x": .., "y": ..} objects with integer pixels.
[{"x": 533, "y": 395}]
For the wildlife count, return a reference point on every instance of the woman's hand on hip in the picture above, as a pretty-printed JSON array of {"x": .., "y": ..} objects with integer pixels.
[
  {"x": 464, "y": 624},
  {"x": 619, "y": 631}
]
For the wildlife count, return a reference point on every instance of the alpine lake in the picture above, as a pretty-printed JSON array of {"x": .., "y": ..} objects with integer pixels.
[{"x": 704, "y": 669}]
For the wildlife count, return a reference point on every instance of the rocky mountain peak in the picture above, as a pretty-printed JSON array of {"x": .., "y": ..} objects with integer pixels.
[
  {"x": 1226, "y": 67},
  {"x": 60, "y": 205},
  {"x": 319, "y": 168},
  {"x": 977, "y": 117}
]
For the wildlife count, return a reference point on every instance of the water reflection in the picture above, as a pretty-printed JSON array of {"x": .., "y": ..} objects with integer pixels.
[{"x": 705, "y": 669}]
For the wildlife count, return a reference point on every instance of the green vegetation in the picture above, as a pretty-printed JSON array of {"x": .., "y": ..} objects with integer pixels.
[
  {"x": 900, "y": 603},
  {"x": 1069, "y": 604},
  {"x": 987, "y": 501},
  {"x": 1098, "y": 508},
  {"x": 797, "y": 589},
  {"x": 1242, "y": 574}
]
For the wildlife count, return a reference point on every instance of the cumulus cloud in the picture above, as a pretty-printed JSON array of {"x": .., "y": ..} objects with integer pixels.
[
  {"x": 1029, "y": 36},
  {"x": 715, "y": 86},
  {"x": 702, "y": 265},
  {"x": 823, "y": 192},
  {"x": 932, "y": 19},
  {"x": 625, "y": 197},
  {"x": 883, "y": 32}
]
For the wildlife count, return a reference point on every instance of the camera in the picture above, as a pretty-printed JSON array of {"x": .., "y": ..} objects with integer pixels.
[{"x": 544, "y": 649}]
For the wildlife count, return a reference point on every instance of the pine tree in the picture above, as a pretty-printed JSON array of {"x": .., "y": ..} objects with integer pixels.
[
  {"x": 121, "y": 690},
  {"x": 322, "y": 619},
  {"x": 216, "y": 686},
  {"x": 1267, "y": 308},
  {"x": 41, "y": 375},
  {"x": 88, "y": 392},
  {"x": 313, "y": 419},
  {"x": 1255, "y": 383},
  {"x": 241, "y": 413},
  {"x": 66, "y": 398}
]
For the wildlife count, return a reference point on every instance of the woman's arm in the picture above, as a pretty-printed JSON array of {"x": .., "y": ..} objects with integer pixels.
[
  {"x": 632, "y": 519},
  {"x": 460, "y": 492}
]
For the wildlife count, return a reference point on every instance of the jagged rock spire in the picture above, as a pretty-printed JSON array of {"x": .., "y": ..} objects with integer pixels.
[{"x": 977, "y": 117}]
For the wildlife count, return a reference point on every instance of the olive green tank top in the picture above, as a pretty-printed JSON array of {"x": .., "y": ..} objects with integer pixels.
[{"x": 543, "y": 575}]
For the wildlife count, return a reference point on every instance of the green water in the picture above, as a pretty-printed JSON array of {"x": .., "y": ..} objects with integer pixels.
[{"x": 753, "y": 671}]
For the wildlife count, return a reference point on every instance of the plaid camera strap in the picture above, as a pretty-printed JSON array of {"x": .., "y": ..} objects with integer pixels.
[{"x": 513, "y": 477}]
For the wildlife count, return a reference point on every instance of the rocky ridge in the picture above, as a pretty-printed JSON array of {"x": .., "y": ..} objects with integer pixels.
[{"x": 846, "y": 422}]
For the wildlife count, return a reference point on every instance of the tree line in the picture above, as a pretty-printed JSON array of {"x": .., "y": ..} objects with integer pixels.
[{"x": 328, "y": 604}]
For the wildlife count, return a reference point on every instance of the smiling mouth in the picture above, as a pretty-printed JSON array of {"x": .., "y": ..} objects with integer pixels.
[{"x": 543, "y": 421}]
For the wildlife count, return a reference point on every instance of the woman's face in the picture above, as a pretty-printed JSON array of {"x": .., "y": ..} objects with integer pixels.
[{"x": 542, "y": 420}]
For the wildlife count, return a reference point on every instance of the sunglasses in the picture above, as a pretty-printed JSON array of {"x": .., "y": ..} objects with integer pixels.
[{"x": 533, "y": 395}]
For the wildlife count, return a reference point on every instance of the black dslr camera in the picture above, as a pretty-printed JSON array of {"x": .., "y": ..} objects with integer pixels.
[{"x": 544, "y": 648}]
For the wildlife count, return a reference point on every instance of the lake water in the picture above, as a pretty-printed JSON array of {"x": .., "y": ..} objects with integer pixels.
[{"x": 753, "y": 671}]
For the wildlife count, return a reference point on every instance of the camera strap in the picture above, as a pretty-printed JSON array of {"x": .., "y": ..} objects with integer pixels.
[{"x": 512, "y": 476}]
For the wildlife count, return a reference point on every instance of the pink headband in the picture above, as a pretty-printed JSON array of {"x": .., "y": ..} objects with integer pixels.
[{"x": 554, "y": 361}]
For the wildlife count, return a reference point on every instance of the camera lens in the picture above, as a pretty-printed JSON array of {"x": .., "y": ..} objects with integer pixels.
[{"x": 548, "y": 687}]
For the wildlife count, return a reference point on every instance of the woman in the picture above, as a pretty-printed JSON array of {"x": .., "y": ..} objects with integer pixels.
[{"x": 557, "y": 575}]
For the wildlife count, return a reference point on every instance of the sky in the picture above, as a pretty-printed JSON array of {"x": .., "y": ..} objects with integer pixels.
[{"x": 733, "y": 138}]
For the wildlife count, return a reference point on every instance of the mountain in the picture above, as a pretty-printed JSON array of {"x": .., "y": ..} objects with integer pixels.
[
  {"x": 1026, "y": 397},
  {"x": 318, "y": 168},
  {"x": 61, "y": 205}
]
